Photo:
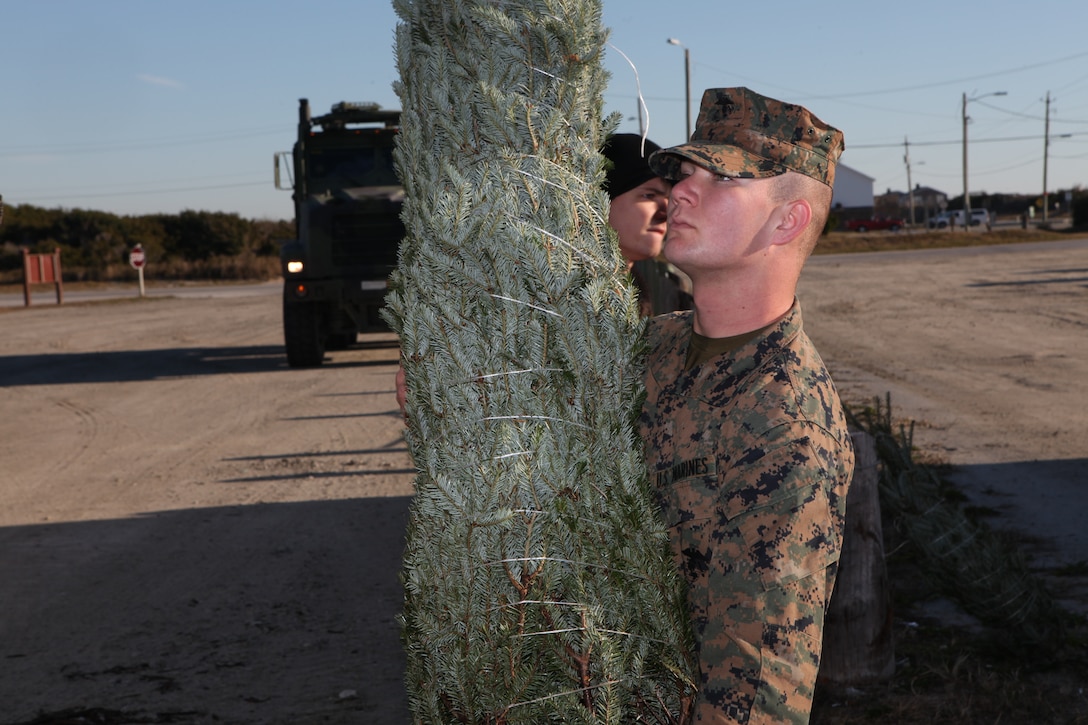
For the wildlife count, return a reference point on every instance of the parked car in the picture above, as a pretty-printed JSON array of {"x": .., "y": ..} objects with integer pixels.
[
  {"x": 865, "y": 225},
  {"x": 979, "y": 217}
]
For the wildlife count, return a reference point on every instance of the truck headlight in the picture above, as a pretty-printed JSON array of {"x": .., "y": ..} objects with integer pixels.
[{"x": 294, "y": 266}]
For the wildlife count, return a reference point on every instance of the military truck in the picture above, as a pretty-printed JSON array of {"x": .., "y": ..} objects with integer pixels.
[{"x": 347, "y": 227}]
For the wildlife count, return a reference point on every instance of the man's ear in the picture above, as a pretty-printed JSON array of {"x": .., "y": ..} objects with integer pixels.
[{"x": 793, "y": 218}]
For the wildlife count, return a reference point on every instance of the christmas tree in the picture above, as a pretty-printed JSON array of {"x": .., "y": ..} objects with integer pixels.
[{"x": 538, "y": 581}]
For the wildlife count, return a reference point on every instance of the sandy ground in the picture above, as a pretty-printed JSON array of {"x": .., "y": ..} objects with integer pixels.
[
  {"x": 193, "y": 532},
  {"x": 188, "y": 527},
  {"x": 986, "y": 349}
]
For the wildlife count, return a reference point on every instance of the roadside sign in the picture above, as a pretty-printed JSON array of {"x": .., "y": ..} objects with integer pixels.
[{"x": 138, "y": 259}]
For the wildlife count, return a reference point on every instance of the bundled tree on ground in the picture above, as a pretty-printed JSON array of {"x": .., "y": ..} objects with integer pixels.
[{"x": 538, "y": 582}]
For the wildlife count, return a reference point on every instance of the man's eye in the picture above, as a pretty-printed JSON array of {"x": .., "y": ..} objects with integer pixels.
[{"x": 722, "y": 177}]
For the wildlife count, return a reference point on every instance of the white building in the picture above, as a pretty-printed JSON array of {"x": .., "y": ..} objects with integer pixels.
[{"x": 852, "y": 190}]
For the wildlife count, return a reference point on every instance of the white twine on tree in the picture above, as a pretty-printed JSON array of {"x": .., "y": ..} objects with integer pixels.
[
  {"x": 575, "y": 691},
  {"x": 551, "y": 418},
  {"x": 515, "y": 454},
  {"x": 527, "y": 304},
  {"x": 554, "y": 237},
  {"x": 486, "y": 376},
  {"x": 548, "y": 182},
  {"x": 570, "y": 562},
  {"x": 642, "y": 107}
]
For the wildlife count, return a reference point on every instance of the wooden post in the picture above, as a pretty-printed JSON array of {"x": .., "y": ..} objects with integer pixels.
[
  {"x": 858, "y": 646},
  {"x": 56, "y": 275},
  {"x": 28, "y": 275}
]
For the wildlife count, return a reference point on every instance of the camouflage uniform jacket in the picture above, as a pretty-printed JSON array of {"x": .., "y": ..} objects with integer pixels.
[{"x": 751, "y": 458}]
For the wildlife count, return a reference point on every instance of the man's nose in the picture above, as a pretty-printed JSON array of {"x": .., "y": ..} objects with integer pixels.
[{"x": 679, "y": 190}]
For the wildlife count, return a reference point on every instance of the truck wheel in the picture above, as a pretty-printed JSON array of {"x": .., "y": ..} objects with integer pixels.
[
  {"x": 340, "y": 340},
  {"x": 302, "y": 334},
  {"x": 894, "y": 228},
  {"x": 862, "y": 229}
]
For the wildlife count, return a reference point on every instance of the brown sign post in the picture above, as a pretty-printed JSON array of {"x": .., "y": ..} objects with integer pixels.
[{"x": 42, "y": 269}]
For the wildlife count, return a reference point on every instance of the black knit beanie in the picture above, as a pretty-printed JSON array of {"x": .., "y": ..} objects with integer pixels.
[{"x": 629, "y": 165}]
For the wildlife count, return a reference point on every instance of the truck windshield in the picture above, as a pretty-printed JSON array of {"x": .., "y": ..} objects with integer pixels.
[{"x": 335, "y": 168}]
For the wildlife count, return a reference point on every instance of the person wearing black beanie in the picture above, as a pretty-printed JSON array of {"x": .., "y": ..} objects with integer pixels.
[
  {"x": 628, "y": 155},
  {"x": 640, "y": 198},
  {"x": 638, "y": 213}
]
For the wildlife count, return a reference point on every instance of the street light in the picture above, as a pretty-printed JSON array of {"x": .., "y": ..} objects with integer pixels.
[
  {"x": 687, "y": 85},
  {"x": 966, "y": 194}
]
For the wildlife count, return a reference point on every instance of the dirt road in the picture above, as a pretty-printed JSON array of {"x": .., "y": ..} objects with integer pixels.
[
  {"x": 193, "y": 532},
  {"x": 986, "y": 349},
  {"x": 191, "y": 529}
]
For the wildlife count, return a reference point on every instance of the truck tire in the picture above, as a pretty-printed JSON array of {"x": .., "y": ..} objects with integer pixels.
[
  {"x": 302, "y": 334},
  {"x": 862, "y": 228},
  {"x": 340, "y": 340}
]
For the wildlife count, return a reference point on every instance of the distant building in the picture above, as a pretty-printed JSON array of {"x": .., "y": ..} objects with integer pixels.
[
  {"x": 852, "y": 196},
  {"x": 928, "y": 202}
]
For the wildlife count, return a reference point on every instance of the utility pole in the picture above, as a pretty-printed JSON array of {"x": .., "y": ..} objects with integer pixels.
[
  {"x": 966, "y": 196},
  {"x": 910, "y": 186},
  {"x": 1046, "y": 154}
]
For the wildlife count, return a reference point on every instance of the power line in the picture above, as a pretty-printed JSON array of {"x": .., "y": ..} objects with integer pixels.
[
  {"x": 1028, "y": 115},
  {"x": 984, "y": 172},
  {"x": 903, "y": 89},
  {"x": 959, "y": 141}
]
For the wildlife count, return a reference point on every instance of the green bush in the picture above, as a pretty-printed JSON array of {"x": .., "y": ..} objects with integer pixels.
[{"x": 95, "y": 245}]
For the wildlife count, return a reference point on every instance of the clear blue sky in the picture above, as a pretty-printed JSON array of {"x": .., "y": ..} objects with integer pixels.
[{"x": 143, "y": 106}]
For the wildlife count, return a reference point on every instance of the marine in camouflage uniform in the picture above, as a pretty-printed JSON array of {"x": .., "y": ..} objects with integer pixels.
[{"x": 749, "y": 448}]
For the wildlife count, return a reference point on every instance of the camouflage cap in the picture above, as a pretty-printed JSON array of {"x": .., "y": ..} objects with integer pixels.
[{"x": 741, "y": 134}]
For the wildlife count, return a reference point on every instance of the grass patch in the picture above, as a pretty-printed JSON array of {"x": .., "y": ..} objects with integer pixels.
[
  {"x": 846, "y": 242},
  {"x": 959, "y": 659}
]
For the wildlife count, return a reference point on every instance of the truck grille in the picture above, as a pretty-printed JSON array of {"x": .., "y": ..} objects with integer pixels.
[{"x": 363, "y": 240}]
